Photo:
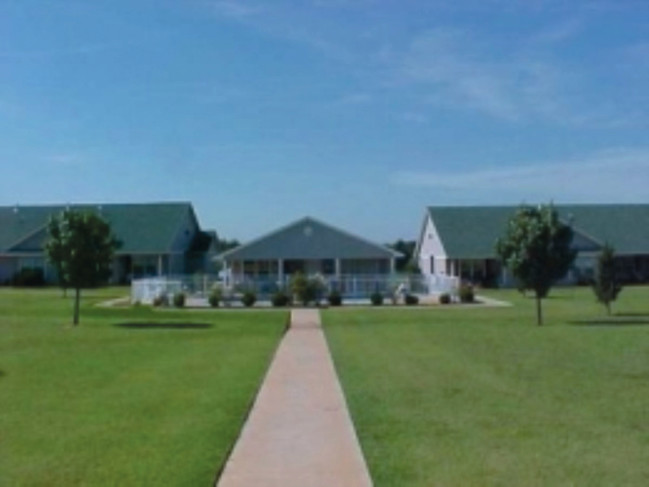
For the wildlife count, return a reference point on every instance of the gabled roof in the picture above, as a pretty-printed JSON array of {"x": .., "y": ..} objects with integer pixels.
[
  {"x": 472, "y": 231},
  {"x": 142, "y": 228},
  {"x": 308, "y": 238}
]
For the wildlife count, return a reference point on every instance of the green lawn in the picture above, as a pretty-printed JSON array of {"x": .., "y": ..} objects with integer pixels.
[
  {"x": 130, "y": 397},
  {"x": 460, "y": 397}
]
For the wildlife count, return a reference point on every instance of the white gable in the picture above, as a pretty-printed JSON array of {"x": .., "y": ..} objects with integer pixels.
[{"x": 430, "y": 246}]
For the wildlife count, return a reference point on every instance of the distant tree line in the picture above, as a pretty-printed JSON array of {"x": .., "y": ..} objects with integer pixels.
[
  {"x": 223, "y": 244},
  {"x": 408, "y": 261}
]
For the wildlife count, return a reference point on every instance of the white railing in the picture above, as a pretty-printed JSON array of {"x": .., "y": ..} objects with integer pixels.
[
  {"x": 146, "y": 290},
  {"x": 349, "y": 285},
  {"x": 440, "y": 284}
]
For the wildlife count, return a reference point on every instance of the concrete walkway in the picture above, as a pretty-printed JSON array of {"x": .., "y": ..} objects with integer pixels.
[{"x": 299, "y": 433}]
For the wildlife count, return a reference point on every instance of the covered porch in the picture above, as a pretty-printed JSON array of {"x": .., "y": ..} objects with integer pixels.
[{"x": 309, "y": 247}]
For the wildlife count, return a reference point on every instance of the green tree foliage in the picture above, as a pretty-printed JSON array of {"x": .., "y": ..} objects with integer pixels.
[
  {"x": 606, "y": 285},
  {"x": 223, "y": 244},
  {"x": 80, "y": 247},
  {"x": 536, "y": 248},
  {"x": 55, "y": 254},
  {"x": 307, "y": 290},
  {"x": 407, "y": 263}
]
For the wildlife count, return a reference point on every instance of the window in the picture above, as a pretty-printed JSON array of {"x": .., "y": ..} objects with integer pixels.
[{"x": 432, "y": 264}]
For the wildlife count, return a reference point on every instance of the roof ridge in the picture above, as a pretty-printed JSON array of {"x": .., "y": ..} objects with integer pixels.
[
  {"x": 96, "y": 204},
  {"x": 298, "y": 222}
]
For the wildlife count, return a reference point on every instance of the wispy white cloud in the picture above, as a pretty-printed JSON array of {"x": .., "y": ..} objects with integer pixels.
[
  {"x": 235, "y": 9},
  {"x": 611, "y": 175},
  {"x": 460, "y": 69},
  {"x": 413, "y": 117},
  {"x": 355, "y": 99},
  {"x": 64, "y": 160},
  {"x": 458, "y": 73},
  {"x": 558, "y": 32}
]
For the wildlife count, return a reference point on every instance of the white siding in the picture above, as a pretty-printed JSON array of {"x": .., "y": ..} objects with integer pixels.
[{"x": 431, "y": 247}]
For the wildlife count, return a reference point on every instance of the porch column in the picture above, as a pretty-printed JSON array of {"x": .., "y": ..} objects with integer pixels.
[
  {"x": 338, "y": 267},
  {"x": 392, "y": 265},
  {"x": 280, "y": 271},
  {"x": 224, "y": 270},
  {"x": 160, "y": 265}
]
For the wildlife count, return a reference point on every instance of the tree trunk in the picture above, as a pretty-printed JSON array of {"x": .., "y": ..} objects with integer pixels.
[
  {"x": 539, "y": 312},
  {"x": 77, "y": 296}
]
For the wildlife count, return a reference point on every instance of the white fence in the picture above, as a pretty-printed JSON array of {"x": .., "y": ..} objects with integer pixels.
[
  {"x": 146, "y": 290},
  {"x": 440, "y": 284},
  {"x": 350, "y": 286}
]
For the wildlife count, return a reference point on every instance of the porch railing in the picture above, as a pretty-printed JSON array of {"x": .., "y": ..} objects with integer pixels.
[{"x": 349, "y": 285}]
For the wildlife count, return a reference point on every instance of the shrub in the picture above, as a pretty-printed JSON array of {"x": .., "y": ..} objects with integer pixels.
[
  {"x": 300, "y": 288},
  {"x": 249, "y": 298},
  {"x": 335, "y": 298},
  {"x": 445, "y": 298},
  {"x": 280, "y": 299},
  {"x": 316, "y": 288},
  {"x": 161, "y": 300},
  {"x": 376, "y": 299},
  {"x": 307, "y": 290},
  {"x": 28, "y": 276},
  {"x": 466, "y": 293},
  {"x": 215, "y": 298},
  {"x": 179, "y": 300},
  {"x": 411, "y": 299}
]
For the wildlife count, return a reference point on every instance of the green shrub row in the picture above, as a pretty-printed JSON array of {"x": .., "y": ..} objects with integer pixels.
[{"x": 377, "y": 299}]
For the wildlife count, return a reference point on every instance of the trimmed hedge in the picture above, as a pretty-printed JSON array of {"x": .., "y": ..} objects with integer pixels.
[
  {"x": 411, "y": 299},
  {"x": 179, "y": 300},
  {"x": 248, "y": 299},
  {"x": 280, "y": 299},
  {"x": 215, "y": 298},
  {"x": 335, "y": 298}
]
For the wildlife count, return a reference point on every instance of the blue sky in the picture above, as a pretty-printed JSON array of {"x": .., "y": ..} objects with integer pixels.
[{"x": 358, "y": 112}]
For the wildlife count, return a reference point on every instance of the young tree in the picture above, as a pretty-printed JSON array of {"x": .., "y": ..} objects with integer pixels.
[
  {"x": 55, "y": 252},
  {"x": 536, "y": 248},
  {"x": 408, "y": 262},
  {"x": 606, "y": 285},
  {"x": 80, "y": 247}
]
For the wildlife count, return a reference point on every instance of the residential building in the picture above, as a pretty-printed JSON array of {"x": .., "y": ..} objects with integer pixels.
[
  {"x": 156, "y": 239},
  {"x": 460, "y": 241},
  {"x": 311, "y": 247}
]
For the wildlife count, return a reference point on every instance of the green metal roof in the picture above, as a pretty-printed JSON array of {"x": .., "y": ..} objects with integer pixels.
[
  {"x": 471, "y": 231},
  {"x": 142, "y": 228},
  {"x": 308, "y": 239}
]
